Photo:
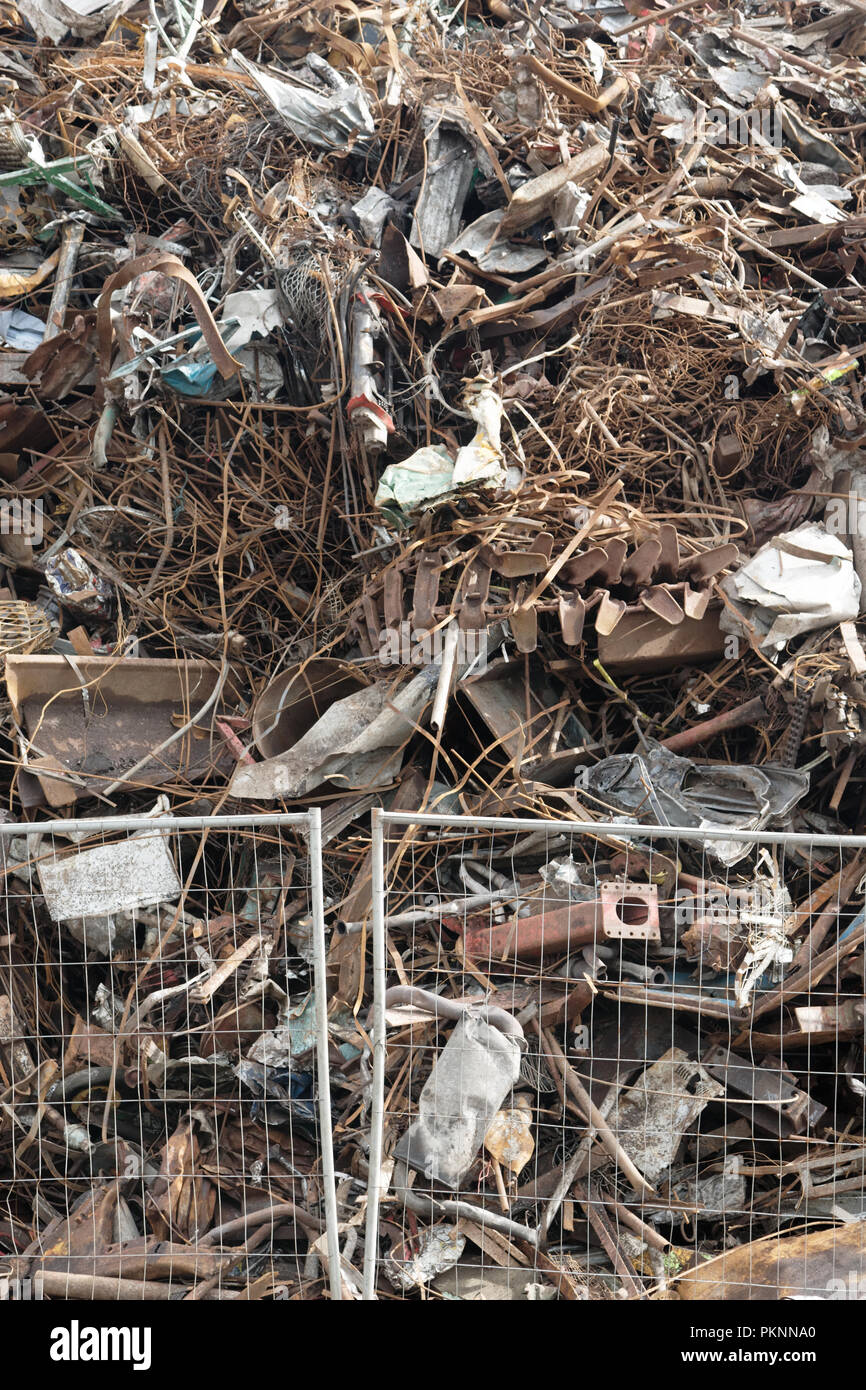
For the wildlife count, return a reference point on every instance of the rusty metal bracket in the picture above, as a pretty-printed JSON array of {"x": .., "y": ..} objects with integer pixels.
[
  {"x": 572, "y": 616},
  {"x": 474, "y": 588},
  {"x": 426, "y": 590},
  {"x": 630, "y": 911},
  {"x": 393, "y": 598}
]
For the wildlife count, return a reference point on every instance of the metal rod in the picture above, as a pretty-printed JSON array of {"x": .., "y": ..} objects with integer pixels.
[
  {"x": 298, "y": 819},
  {"x": 750, "y": 713},
  {"x": 59, "y": 1284},
  {"x": 377, "y": 1115},
  {"x": 617, "y": 829},
  {"x": 454, "y": 907},
  {"x": 320, "y": 973},
  {"x": 495, "y": 1219}
]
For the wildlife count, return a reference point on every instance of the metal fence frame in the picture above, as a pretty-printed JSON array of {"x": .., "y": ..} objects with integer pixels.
[
  {"x": 309, "y": 823},
  {"x": 626, "y": 830}
]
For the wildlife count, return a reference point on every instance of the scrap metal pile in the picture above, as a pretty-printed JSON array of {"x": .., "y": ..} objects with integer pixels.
[{"x": 450, "y": 410}]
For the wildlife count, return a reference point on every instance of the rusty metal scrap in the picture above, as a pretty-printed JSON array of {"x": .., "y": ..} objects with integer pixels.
[{"x": 449, "y": 411}]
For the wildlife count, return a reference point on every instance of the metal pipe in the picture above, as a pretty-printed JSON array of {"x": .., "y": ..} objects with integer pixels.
[
  {"x": 647, "y": 1233},
  {"x": 297, "y": 819},
  {"x": 94, "y": 1076},
  {"x": 320, "y": 973},
  {"x": 632, "y": 830},
  {"x": 489, "y": 1218},
  {"x": 431, "y": 914},
  {"x": 749, "y": 713},
  {"x": 530, "y": 938},
  {"x": 650, "y": 974},
  {"x": 58, "y": 1284},
  {"x": 251, "y": 1219},
  {"x": 431, "y": 1208},
  {"x": 377, "y": 1116},
  {"x": 474, "y": 884},
  {"x": 452, "y": 1008}
]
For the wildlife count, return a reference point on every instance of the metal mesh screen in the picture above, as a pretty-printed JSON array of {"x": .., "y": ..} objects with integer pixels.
[
  {"x": 616, "y": 1062},
  {"x": 164, "y": 1133},
  {"x": 302, "y": 286}
]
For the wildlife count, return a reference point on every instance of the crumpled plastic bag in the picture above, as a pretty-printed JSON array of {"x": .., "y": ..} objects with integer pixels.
[
  {"x": 20, "y": 330},
  {"x": 465, "y": 1090},
  {"x": 481, "y": 460},
  {"x": 426, "y": 474}
]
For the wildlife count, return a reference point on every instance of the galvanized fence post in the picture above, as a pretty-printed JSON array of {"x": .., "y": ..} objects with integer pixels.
[
  {"x": 377, "y": 1117},
  {"x": 320, "y": 979}
]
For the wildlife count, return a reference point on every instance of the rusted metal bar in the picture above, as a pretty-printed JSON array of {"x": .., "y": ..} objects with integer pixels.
[{"x": 752, "y": 712}]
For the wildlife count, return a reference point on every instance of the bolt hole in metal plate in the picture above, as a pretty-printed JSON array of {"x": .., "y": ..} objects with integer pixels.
[{"x": 630, "y": 911}]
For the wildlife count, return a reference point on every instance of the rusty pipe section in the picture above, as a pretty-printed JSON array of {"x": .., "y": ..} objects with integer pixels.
[
  {"x": 531, "y": 938},
  {"x": 752, "y": 712},
  {"x": 624, "y": 910}
]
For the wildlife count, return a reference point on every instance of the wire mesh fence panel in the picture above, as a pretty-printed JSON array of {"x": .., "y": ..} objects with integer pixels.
[
  {"x": 164, "y": 1130},
  {"x": 616, "y": 1062}
]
